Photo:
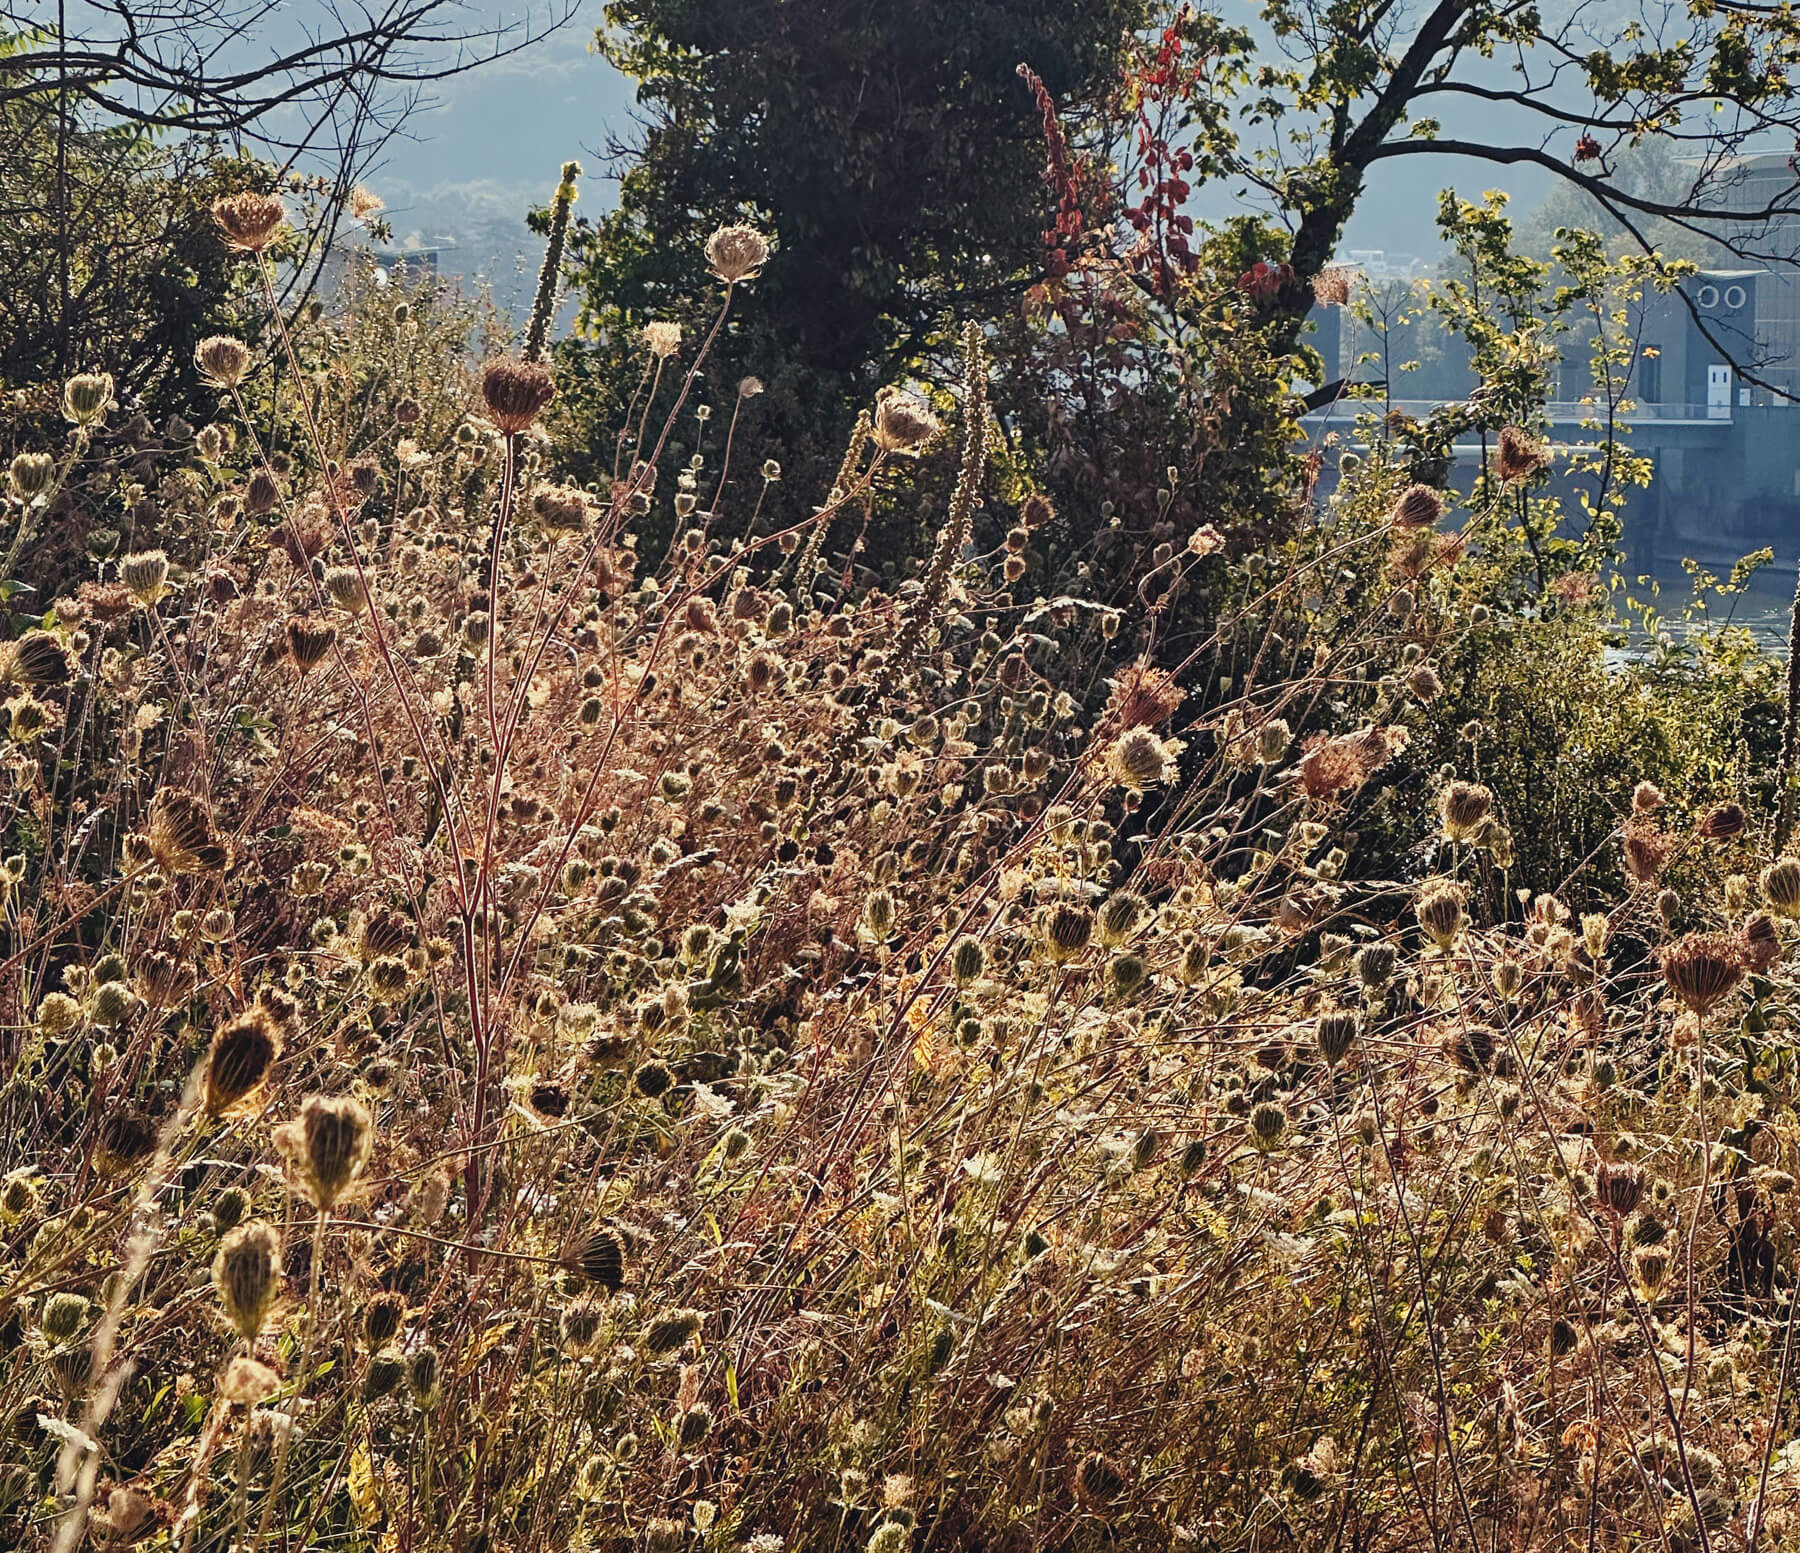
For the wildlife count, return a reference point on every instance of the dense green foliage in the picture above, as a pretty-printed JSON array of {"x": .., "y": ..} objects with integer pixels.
[{"x": 892, "y": 150}]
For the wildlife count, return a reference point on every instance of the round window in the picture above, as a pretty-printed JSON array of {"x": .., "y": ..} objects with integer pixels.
[
  {"x": 1707, "y": 296},
  {"x": 1736, "y": 297}
]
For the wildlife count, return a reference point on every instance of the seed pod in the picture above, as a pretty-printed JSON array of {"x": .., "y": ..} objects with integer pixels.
[
  {"x": 1068, "y": 929},
  {"x": 599, "y": 1257},
  {"x": 248, "y": 221},
  {"x": 309, "y": 641},
  {"x": 515, "y": 392},
  {"x": 327, "y": 1146},
  {"x": 968, "y": 959},
  {"x": 1334, "y": 1034},
  {"x": 382, "y": 1318},
  {"x": 243, "y": 1051},
  {"x": 247, "y": 1274}
]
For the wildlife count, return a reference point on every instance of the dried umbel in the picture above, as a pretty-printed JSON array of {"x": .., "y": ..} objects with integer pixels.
[
  {"x": 1519, "y": 455},
  {"x": 382, "y": 1317},
  {"x": 1375, "y": 964},
  {"x": 514, "y": 393},
  {"x": 344, "y": 586},
  {"x": 37, "y": 659},
  {"x": 1138, "y": 760},
  {"x": 1417, "y": 507},
  {"x": 261, "y": 494},
  {"x": 327, "y": 1146},
  {"x": 1465, "y": 805},
  {"x": 599, "y": 1257},
  {"x": 1335, "y": 765},
  {"x": 223, "y": 359},
  {"x": 30, "y": 475},
  {"x": 968, "y": 959},
  {"x": 1120, "y": 915},
  {"x": 1762, "y": 944},
  {"x": 904, "y": 423},
  {"x": 87, "y": 396},
  {"x": 1723, "y": 821},
  {"x": 1099, "y": 1481},
  {"x": 1268, "y": 1125},
  {"x": 1619, "y": 1188},
  {"x": 1142, "y": 696},
  {"x": 1439, "y": 910},
  {"x": 248, "y": 221},
  {"x": 247, "y": 1274},
  {"x": 1333, "y": 1034},
  {"x": 64, "y": 1315},
  {"x": 662, "y": 338},
  {"x": 238, "y": 1062},
  {"x": 309, "y": 641},
  {"x": 1647, "y": 851},
  {"x": 181, "y": 836},
  {"x": 1703, "y": 969},
  {"x": 1068, "y": 929},
  {"x": 1781, "y": 886},
  {"x": 146, "y": 576},
  {"x": 735, "y": 253},
  {"x": 560, "y": 509}
]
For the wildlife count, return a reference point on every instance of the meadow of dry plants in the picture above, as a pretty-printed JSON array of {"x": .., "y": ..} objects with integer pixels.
[{"x": 522, "y": 1038}]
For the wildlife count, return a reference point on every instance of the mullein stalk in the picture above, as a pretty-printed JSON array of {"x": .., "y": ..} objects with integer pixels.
[
  {"x": 808, "y": 571},
  {"x": 544, "y": 303}
]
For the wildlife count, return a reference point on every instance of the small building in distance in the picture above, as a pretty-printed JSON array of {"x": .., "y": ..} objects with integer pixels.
[{"x": 421, "y": 258}]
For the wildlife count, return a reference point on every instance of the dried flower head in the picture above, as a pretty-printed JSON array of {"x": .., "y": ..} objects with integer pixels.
[
  {"x": 181, "y": 836},
  {"x": 1417, "y": 507},
  {"x": 662, "y": 338},
  {"x": 735, "y": 253},
  {"x": 1646, "y": 851},
  {"x": 514, "y": 393},
  {"x": 248, "y": 221},
  {"x": 1439, "y": 910},
  {"x": 247, "y": 1274},
  {"x": 223, "y": 359},
  {"x": 242, "y": 1053},
  {"x": 1723, "y": 821},
  {"x": 30, "y": 475},
  {"x": 87, "y": 396},
  {"x": 1464, "y": 806},
  {"x": 1781, "y": 886},
  {"x": 904, "y": 423},
  {"x": 37, "y": 659},
  {"x": 1703, "y": 969},
  {"x": 1519, "y": 455},
  {"x": 327, "y": 1146},
  {"x": 599, "y": 1257},
  {"x": 146, "y": 576},
  {"x": 1138, "y": 759},
  {"x": 309, "y": 641},
  {"x": 1068, "y": 929}
]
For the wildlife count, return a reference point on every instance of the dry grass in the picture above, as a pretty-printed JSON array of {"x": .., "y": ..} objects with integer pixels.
[{"x": 717, "y": 1068}]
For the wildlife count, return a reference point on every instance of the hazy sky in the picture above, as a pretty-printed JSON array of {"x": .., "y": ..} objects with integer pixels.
[{"x": 492, "y": 140}]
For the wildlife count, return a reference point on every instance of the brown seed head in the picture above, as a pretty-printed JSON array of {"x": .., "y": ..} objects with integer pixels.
[
  {"x": 515, "y": 392},
  {"x": 243, "y": 1051},
  {"x": 223, "y": 360},
  {"x": 247, "y": 1274},
  {"x": 735, "y": 253},
  {"x": 1418, "y": 506},
  {"x": 1703, "y": 969},
  {"x": 327, "y": 1146},
  {"x": 249, "y": 221},
  {"x": 904, "y": 423},
  {"x": 1519, "y": 455}
]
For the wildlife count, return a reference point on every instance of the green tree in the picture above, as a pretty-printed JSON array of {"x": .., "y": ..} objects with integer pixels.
[{"x": 889, "y": 151}]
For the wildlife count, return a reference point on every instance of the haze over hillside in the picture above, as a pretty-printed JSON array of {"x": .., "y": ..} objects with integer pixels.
[{"x": 486, "y": 149}]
